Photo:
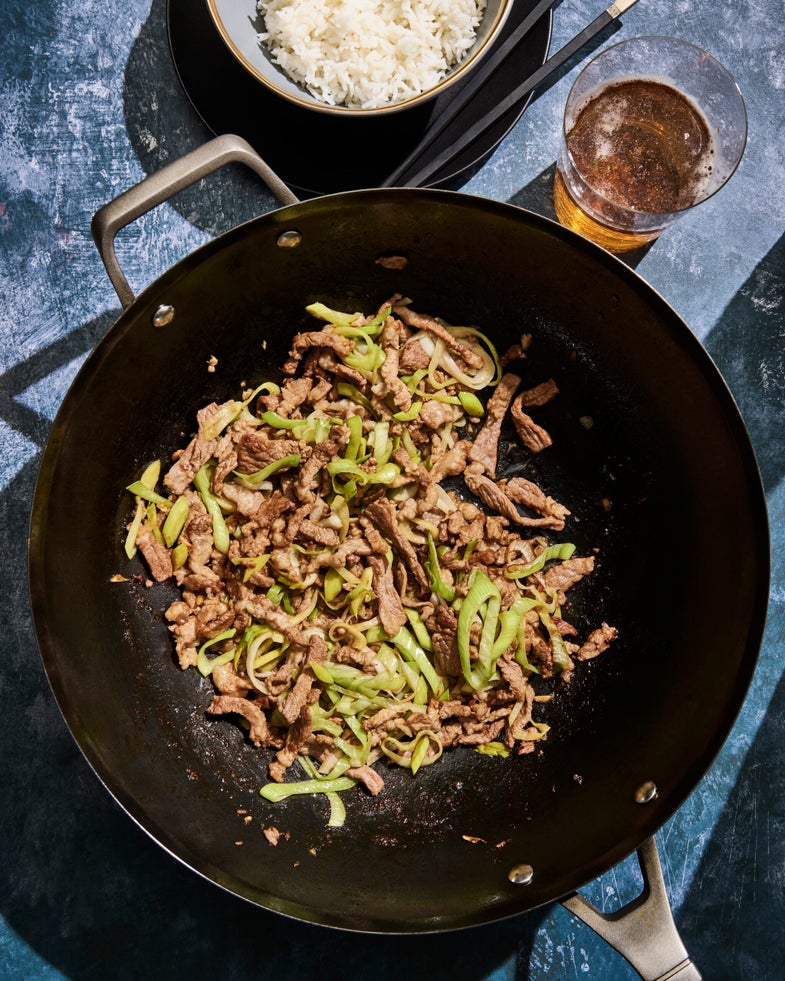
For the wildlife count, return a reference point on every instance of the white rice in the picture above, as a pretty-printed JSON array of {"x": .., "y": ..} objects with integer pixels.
[{"x": 368, "y": 53}]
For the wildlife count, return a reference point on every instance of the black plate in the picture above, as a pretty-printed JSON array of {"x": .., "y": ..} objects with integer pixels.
[{"x": 317, "y": 153}]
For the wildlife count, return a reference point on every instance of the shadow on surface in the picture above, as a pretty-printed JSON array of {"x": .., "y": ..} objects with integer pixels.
[
  {"x": 748, "y": 346},
  {"x": 162, "y": 126},
  {"x": 738, "y": 889},
  {"x": 22, "y": 376}
]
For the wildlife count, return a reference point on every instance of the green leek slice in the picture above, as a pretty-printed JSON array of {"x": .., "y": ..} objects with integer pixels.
[
  {"x": 202, "y": 479},
  {"x": 206, "y": 664},
  {"x": 276, "y": 792}
]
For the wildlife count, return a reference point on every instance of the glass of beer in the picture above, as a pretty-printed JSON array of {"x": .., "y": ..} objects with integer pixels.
[{"x": 652, "y": 127}]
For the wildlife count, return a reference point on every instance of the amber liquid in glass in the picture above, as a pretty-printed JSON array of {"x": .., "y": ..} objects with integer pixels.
[{"x": 638, "y": 145}]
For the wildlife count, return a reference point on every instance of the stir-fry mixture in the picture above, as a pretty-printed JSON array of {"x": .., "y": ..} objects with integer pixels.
[{"x": 355, "y": 580}]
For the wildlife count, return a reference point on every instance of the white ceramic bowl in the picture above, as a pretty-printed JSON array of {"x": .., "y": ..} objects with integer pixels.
[{"x": 239, "y": 24}]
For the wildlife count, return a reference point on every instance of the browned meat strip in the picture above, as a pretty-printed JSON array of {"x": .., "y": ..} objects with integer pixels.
[
  {"x": 382, "y": 513},
  {"x": 372, "y": 781},
  {"x": 274, "y": 507},
  {"x": 451, "y": 463},
  {"x": 280, "y": 680},
  {"x": 264, "y": 609},
  {"x": 194, "y": 456},
  {"x": 340, "y": 371},
  {"x": 183, "y": 629},
  {"x": 229, "y": 682},
  {"x": 513, "y": 353},
  {"x": 246, "y": 501},
  {"x": 294, "y": 391},
  {"x": 485, "y": 448},
  {"x": 291, "y": 531},
  {"x": 298, "y": 696},
  {"x": 316, "y": 340},
  {"x": 533, "y": 437},
  {"x": 513, "y": 675},
  {"x": 259, "y": 733},
  {"x": 255, "y": 451},
  {"x": 413, "y": 356},
  {"x": 519, "y": 723},
  {"x": 321, "y": 454},
  {"x": 319, "y": 534},
  {"x": 390, "y": 381},
  {"x": 199, "y": 533},
  {"x": 567, "y": 573},
  {"x": 444, "y": 636},
  {"x": 385, "y": 718},
  {"x": 156, "y": 555},
  {"x": 363, "y": 658},
  {"x": 422, "y": 321},
  {"x": 539, "y": 395},
  {"x": 486, "y": 734},
  {"x": 434, "y": 414},
  {"x": 297, "y": 737},
  {"x": 225, "y": 461},
  {"x": 466, "y": 524},
  {"x": 213, "y": 616},
  {"x": 351, "y": 549},
  {"x": 597, "y": 642},
  {"x": 492, "y": 494},
  {"x": 526, "y": 492},
  {"x": 323, "y": 386},
  {"x": 394, "y": 262},
  {"x": 391, "y": 611}
]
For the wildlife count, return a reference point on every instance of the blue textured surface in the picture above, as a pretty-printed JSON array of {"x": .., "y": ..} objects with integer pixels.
[{"x": 90, "y": 103}]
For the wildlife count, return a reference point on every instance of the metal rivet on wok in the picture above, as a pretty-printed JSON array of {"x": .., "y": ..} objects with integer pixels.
[
  {"x": 521, "y": 875},
  {"x": 288, "y": 240},
  {"x": 646, "y": 793},
  {"x": 163, "y": 315}
]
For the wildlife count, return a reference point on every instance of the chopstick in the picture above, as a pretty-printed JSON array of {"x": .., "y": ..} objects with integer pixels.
[
  {"x": 479, "y": 77},
  {"x": 432, "y": 167}
]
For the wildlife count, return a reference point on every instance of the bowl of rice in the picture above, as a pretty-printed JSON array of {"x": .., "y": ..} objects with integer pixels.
[{"x": 356, "y": 57}]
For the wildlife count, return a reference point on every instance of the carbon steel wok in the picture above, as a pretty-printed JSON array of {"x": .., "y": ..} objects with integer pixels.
[{"x": 650, "y": 455}]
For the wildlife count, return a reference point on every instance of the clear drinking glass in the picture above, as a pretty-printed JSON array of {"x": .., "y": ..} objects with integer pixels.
[{"x": 652, "y": 127}]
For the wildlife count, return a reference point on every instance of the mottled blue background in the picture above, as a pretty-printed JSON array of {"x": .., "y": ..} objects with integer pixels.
[{"x": 89, "y": 104}]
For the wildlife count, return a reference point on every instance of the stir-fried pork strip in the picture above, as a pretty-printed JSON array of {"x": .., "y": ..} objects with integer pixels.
[
  {"x": 597, "y": 642},
  {"x": 485, "y": 446},
  {"x": 495, "y": 496},
  {"x": 433, "y": 326},
  {"x": 526, "y": 492},
  {"x": 383, "y": 514},
  {"x": 533, "y": 436}
]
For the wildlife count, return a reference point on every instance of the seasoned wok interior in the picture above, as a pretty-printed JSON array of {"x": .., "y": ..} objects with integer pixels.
[{"x": 354, "y": 577}]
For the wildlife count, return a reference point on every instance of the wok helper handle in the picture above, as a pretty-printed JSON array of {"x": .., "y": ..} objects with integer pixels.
[
  {"x": 164, "y": 184},
  {"x": 643, "y": 931}
]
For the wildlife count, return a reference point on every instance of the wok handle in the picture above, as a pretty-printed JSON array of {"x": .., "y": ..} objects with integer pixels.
[
  {"x": 643, "y": 931},
  {"x": 164, "y": 184}
]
